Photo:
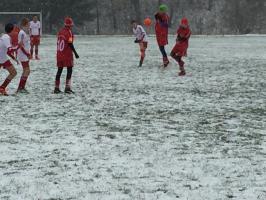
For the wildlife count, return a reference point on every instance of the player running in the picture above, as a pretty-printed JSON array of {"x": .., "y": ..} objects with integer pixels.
[
  {"x": 182, "y": 42},
  {"x": 65, "y": 50},
  {"x": 35, "y": 36},
  {"x": 24, "y": 54},
  {"x": 6, "y": 49},
  {"x": 141, "y": 39},
  {"x": 161, "y": 30}
]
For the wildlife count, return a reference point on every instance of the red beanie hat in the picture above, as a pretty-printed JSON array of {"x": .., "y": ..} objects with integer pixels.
[{"x": 184, "y": 21}]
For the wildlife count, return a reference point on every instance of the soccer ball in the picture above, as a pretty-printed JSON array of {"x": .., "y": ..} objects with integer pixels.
[{"x": 147, "y": 22}]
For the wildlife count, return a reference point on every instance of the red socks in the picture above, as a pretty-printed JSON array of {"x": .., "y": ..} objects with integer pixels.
[
  {"x": 22, "y": 82},
  {"x": 5, "y": 84}
]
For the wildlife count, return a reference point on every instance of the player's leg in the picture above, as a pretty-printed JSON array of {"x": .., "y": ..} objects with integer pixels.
[
  {"x": 180, "y": 62},
  {"x": 164, "y": 54},
  {"x": 68, "y": 80},
  {"x": 31, "y": 47},
  {"x": 24, "y": 77},
  {"x": 57, "y": 80},
  {"x": 12, "y": 73},
  {"x": 37, "y": 51},
  {"x": 143, "y": 47}
]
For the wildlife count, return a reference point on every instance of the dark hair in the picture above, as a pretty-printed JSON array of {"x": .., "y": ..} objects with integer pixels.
[
  {"x": 9, "y": 28},
  {"x": 133, "y": 21}
]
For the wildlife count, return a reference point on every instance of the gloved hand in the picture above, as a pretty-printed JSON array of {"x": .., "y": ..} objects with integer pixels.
[{"x": 137, "y": 41}]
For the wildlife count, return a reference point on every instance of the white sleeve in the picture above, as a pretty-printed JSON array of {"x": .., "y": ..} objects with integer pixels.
[
  {"x": 7, "y": 42},
  {"x": 141, "y": 29},
  {"x": 20, "y": 37}
]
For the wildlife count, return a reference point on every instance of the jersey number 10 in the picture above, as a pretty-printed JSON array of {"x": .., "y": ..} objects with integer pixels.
[{"x": 60, "y": 45}]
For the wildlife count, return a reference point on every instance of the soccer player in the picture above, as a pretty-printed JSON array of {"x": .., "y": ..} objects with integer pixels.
[
  {"x": 182, "y": 42},
  {"x": 24, "y": 54},
  {"x": 14, "y": 34},
  {"x": 141, "y": 39},
  {"x": 161, "y": 30},
  {"x": 6, "y": 49},
  {"x": 35, "y": 36},
  {"x": 65, "y": 50}
]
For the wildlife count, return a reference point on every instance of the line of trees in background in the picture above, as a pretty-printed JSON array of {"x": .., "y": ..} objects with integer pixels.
[{"x": 113, "y": 16}]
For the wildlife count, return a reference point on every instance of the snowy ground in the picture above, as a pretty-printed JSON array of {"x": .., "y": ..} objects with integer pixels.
[{"x": 139, "y": 133}]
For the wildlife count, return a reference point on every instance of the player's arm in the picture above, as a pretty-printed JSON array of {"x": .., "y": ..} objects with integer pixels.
[
  {"x": 10, "y": 52},
  {"x": 71, "y": 45},
  {"x": 10, "y": 49},
  {"x": 40, "y": 30}
]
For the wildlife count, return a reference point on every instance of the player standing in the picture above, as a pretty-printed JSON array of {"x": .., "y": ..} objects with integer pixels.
[
  {"x": 6, "y": 49},
  {"x": 141, "y": 39},
  {"x": 35, "y": 36},
  {"x": 161, "y": 30},
  {"x": 14, "y": 34},
  {"x": 24, "y": 54},
  {"x": 65, "y": 50},
  {"x": 182, "y": 42}
]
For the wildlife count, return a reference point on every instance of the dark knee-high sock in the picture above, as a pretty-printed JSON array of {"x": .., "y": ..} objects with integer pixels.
[
  {"x": 68, "y": 78},
  {"x": 163, "y": 52},
  {"x": 36, "y": 51},
  {"x": 31, "y": 51},
  {"x": 58, "y": 76}
]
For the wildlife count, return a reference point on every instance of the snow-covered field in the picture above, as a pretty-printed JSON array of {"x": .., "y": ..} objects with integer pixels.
[{"x": 139, "y": 133}]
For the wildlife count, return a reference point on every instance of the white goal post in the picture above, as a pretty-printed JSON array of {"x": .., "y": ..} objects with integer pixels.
[{"x": 25, "y": 14}]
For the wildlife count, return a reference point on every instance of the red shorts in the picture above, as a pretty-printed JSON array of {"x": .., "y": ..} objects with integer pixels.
[
  {"x": 180, "y": 49},
  {"x": 65, "y": 63},
  {"x": 35, "y": 40},
  {"x": 6, "y": 64}
]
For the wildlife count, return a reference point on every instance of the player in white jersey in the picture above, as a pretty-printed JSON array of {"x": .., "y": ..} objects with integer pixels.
[
  {"x": 24, "y": 53},
  {"x": 141, "y": 39},
  {"x": 7, "y": 50},
  {"x": 35, "y": 36}
]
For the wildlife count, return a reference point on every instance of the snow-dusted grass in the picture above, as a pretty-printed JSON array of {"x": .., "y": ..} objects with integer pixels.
[{"x": 139, "y": 133}]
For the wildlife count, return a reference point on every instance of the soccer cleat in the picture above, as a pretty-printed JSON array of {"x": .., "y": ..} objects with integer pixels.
[
  {"x": 182, "y": 73},
  {"x": 22, "y": 91},
  {"x": 37, "y": 58},
  {"x": 57, "y": 91},
  {"x": 3, "y": 92},
  {"x": 69, "y": 91}
]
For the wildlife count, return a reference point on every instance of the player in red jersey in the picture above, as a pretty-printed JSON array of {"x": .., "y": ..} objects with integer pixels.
[
  {"x": 65, "y": 50},
  {"x": 161, "y": 30},
  {"x": 7, "y": 50},
  {"x": 180, "y": 49},
  {"x": 35, "y": 36}
]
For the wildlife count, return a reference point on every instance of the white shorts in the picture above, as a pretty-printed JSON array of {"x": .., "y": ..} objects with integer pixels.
[{"x": 21, "y": 56}]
